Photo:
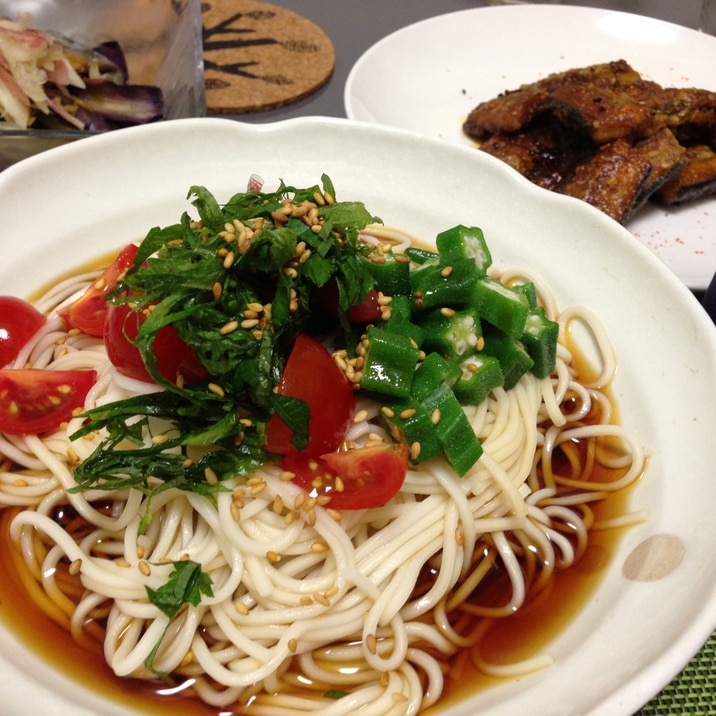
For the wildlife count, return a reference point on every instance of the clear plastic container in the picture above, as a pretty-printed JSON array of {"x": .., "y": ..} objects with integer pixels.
[{"x": 162, "y": 42}]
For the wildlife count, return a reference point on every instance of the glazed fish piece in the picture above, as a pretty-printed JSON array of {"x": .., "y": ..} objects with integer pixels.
[{"x": 697, "y": 178}]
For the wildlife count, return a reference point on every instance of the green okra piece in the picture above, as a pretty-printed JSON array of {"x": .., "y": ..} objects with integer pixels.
[
  {"x": 452, "y": 333},
  {"x": 431, "y": 373},
  {"x": 501, "y": 305},
  {"x": 464, "y": 242},
  {"x": 391, "y": 275},
  {"x": 479, "y": 374},
  {"x": 409, "y": 422},
  {"x": 514, "y": 360},
  {"x": 540, "y": 340},
  {"x": 460, "y": 444},
  {"x": 435, "y": 285},
  {"x": 389, "y": 363}
]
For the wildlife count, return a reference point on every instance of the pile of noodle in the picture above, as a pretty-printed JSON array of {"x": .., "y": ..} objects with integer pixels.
[{"x": 306, "y": 599}]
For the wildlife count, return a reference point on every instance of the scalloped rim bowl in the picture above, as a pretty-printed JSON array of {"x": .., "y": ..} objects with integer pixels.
[{"x": 633, "y": 636}]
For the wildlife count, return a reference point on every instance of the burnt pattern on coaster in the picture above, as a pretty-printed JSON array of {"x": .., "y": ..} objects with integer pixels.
[{"x": 258, "y": 56}]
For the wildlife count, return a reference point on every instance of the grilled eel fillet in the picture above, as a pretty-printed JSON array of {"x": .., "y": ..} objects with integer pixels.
[{"x": 606, "y": 135}]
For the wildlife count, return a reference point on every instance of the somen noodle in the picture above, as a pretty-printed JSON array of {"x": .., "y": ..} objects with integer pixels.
[{"x": 315, "y": 610}]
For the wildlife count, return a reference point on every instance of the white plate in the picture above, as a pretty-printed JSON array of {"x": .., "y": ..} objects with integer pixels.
[
  {"x": 68, "y": 204},
  {"x": 428, "y": 76}
]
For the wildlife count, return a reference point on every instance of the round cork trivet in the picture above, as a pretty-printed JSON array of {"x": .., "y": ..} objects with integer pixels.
[{"x": 259, "y": 56}]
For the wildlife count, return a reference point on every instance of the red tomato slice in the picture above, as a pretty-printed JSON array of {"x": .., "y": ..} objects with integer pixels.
[
  {"x": 88, "y": 312},
  {"x": 34, "y": 401},
  {"x": 312, "y": 375},
  {"x": 367, "y": 310},
  {"x": 174, "y": 356},
  {"x": 364, "y": 312},
  {"x": 354, "y": 479},
  {"x": 18, "y": 322}
]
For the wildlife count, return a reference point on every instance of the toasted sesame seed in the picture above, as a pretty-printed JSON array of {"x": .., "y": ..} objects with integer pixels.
[
  {"x": 447, "y": 312},
  {"x": 459, "y": 536},
  {"x": 160, "y": 439},
  {"x": 216, "y": 389},
  {"x": 286, "y": 476},
  {"x": 292, "y": 645},
  {"x": 75, "y": 567},
  {"x": 241, "y": 608},
  {"x": 480, "y": 343},
  {"x": 321, "y": 599},
  {"x": 399, "y": 698},
  {"x": 415, "y": 449},
  {"x": 300, "y": 499},
  {"x": 289, "y": 518},
  {"x": 273, "y": 556},
  {"x": 229, "y": 260},
  {"x": 236, "y": 511},
  {"x": 371, "y": 643},
  {"x": 277, "y": 504},
  {"x": 339, "y": 484},
  {"x": 122, "y": 563},
  {"x": 229, "y": 327},
  {"x": 20, "y": 483},
  {"x": 472, "y": 367},
  {"x": 144, "y": 568},
  {"x": 335, "y": 515},
  {"x": 306, "y": 601},
  {"x": 331, "y": 591},
  {"x": 446, "y": 271},
  {"x": 311, "y": 517},
  {"x": 388, "y": 412},
  {"x": 319, "y": 547},
  {"x": 258, "y": 488},
  {"x": 210, "y": 476},
  {"x": 72, "y": 455},
  {"x": 140, "y": 551},
  {"x": 407, "y": 413},
  {"x": 435, "y": 416}
]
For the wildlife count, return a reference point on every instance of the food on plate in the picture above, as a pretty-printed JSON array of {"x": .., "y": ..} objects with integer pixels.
[
  {"x": 606, "y": 135},
  {"x": 308, "y": 462},
  {"x": 47, "y": 82}
]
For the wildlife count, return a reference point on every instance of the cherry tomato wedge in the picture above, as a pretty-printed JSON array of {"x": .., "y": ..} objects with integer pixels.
[
  {"x": 18, "y": 322},
  {"x": 174, "y": 356},
  {"x": 369, "y": 476},
  {"x": 311, "y": 375},
  {"x": 88, "y": 312},
  {"x": 364, "y": 312},
  {"x": 34, "y": 401}
]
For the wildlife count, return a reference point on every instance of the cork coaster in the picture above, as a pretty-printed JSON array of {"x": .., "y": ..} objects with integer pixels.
[{"x": 259, "y": 56}]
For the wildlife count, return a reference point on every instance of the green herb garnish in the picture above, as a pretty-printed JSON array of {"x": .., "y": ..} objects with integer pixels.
[
  {"x": 238, "y": 286},
  {"x": 186, "y": 585}
]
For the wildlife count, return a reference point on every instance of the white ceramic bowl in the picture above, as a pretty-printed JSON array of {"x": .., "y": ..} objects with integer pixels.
[{"x": 80, "y": 200}]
